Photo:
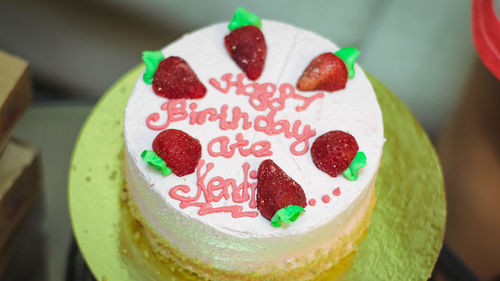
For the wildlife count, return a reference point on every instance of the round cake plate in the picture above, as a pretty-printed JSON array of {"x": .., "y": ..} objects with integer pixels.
[{"x": 403, "y": 240}]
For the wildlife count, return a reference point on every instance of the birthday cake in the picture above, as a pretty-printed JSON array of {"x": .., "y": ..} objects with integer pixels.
[{"x": 251, "y": 152}]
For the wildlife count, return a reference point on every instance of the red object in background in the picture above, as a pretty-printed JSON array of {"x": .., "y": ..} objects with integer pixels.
[{"x": 486, "y": 34}]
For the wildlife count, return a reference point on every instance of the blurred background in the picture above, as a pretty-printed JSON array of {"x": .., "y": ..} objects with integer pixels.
[
  {"x": 422, "y": 50},
  {"x": 78, "y": 48}
]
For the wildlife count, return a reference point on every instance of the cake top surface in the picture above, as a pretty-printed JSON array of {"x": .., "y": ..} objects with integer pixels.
[{"x": 281, "y": 126}]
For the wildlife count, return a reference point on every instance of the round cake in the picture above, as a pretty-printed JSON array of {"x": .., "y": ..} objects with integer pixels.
[{"x": 210, "y": 220}]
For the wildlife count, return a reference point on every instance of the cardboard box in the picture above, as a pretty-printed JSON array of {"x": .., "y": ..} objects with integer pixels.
[
  {"x": 15, "y": 93},
  {"x": 20, "y": 184},
  {"x": 10, "y": 246}
]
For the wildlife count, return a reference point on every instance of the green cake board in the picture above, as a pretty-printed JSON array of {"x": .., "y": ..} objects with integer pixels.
[{"x": 403, "y": 240}]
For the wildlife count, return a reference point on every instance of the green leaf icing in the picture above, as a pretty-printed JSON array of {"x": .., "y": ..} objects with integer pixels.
[
  {"x": 156, "y": 162},
  {"x": 352, "y": 172},
  {"x": 286, "y": 215},
  {"x": 242, "y": 18},
  {"x": 151, "y": 59},
  {"x": 349, "y": 56}
]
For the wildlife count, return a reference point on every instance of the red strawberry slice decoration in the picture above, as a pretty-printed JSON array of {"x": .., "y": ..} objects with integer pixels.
[
  {"x": 333, "y": 152},
  {"x": 247, "y": 47},
  {"x": 180, "y": 151},
  {"x": 326, "y": 72},
  {"x": 276, "y": 190},
  {"x": 174, "y": 79}
]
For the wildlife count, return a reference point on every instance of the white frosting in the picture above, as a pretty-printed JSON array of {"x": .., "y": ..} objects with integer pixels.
[{"x": 250, "y": 243}]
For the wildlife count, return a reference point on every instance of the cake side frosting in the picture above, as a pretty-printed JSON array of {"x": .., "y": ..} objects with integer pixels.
[
  {"x": 336, "y": 254},
  {"x": 232, "y": 226}
]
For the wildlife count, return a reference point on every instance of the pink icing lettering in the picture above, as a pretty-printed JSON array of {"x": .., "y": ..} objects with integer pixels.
[
  {"x": 271, "y": 128},
  {"x": 261, "y": 149},
  {"x": 227, "y": 78},
  {"x": 268, "y": 119},
  {"x": 253, "y": 204},
  {"x": 223, "y": 141},
  {"x": 201, "y": 179},
  {"x": 304, "y": 137},
  {"x": 236, "y": 211},
  {"x": 260, "y": 95},
  {"x": 281, "y": 126},
  {"x": 288, "y": 90},
  {"x": 221, "y": 116},
  {"x": 193, "y": 115},
  {"x": 176, "y": 111},
  {"x": 212, "y": 187},
  {"x": 262, "y": 98},
  {"x": 279, "y": 102},
  {"x": 202, "y": 116},
  {"x": 258, "y": 149},
  {"x": 239, "y": 193},
  {"x": 184, "y": 189},
  {"x": 237, "y": 116},
  {"x": 308, "y": 101},
  {"x": 240, "y": 143}
]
